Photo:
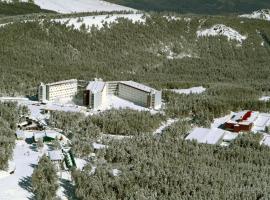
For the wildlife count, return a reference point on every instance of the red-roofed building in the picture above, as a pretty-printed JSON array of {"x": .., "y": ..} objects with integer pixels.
[{"x": 241, "y": 122}]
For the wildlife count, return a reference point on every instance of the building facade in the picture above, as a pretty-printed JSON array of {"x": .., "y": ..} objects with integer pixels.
[
  {"x": 140, "y": 94},
  {"x": 58, "y": 90},
  {"x": 96, "y": 93}
]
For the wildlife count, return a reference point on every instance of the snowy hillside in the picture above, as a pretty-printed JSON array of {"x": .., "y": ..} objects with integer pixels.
[
  {"x": 221, "y": 30},
  {"x": 71, "y": 6},
  {"x": 99, "y": 20},
  {"x": 260, "y": 14}
]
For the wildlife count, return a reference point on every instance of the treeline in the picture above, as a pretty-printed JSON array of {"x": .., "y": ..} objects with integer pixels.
[
  {"x": 217, "y": 101},
  {"x": 9, "y": 117},
  {"x": 172, "y": 168},
  {"x": 20, "y": 8}
]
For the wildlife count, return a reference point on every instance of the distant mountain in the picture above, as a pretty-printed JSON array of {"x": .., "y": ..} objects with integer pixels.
[{"x": 197, "y": 6}]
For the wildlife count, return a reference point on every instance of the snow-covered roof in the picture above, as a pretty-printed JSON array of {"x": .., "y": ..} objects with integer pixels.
[
  {"x": 19, "y": 134},
  {"x": 138, "y": 86},
  {"x": 99, "y": 146},
  {"x": 95, "y": 86},
  {"x": 239, "y": 115},
  {"x": 55, "y": 155},
  {"x": 39, "y": 135},
  {"x": 214, "y": 135},
  {"x": 52, "y": 133},
  {"x": 204, "y": 135},
  {"x": 266, "y": 140},
  {"x": 229, "y": 136},
  {"x": 198, "y": 134},
  {"x": 62, "y": 82}
]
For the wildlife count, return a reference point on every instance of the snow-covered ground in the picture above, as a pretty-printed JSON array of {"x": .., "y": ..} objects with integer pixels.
[
  {"x": 265, "y": 98},
  {"x": 222, "y": 30},
  {"x": 263, "y": 14},
  {"x": 99, "y": 20},
  {"x": 17, "y": 185},
  {"x": 118, "y": 103},
  {"x": 193, "y": 90},
  {"x": 164, "y": 125},
  {"x": 72, "y": 6},
  {"x": 36, "y": 109}
]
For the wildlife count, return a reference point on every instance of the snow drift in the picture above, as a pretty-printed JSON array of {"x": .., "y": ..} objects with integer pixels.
[{"x": 222, "y": 30}]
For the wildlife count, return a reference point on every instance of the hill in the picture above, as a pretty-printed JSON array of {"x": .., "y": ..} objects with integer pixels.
[
  {"x": 20, "y": 8},
  {"x": 207, "y": 7}
]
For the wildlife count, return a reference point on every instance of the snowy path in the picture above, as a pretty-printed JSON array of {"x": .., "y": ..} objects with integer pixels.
[
  {"x": 165, "y": 125},
  {"x": 18, "y": 185}
]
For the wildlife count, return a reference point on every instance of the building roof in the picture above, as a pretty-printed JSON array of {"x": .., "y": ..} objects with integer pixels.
[
  {"x": 62, "y": 82},
  {"x": 95, "y": 86},
  {"x": 207, "y": 136},
  {"x": 52, "y": 133},
  {"x": 239, "y": 115},
  {"x": 229, "y": 136},
  {"x": 55, "y": 155},
  {"x": 138, "y": 86}
]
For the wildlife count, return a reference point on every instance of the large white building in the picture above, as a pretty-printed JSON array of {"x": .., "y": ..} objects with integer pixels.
[
  {"x": 97, "y": 92},
  {"x": 58, "y": 90}
]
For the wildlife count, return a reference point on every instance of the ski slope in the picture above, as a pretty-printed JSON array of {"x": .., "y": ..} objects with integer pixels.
[{"x": 76, "y": 6}]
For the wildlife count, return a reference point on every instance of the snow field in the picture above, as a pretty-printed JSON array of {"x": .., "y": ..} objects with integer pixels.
[
  {"x": 77, "y": 6},
  {"x": 99, "y": 20},
  {"x": 193, "y": 90}
]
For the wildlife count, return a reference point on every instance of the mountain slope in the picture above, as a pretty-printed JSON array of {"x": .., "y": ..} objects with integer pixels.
[
  {"x": 158, "y": 51},
  {"x": 197, "y": 6}
]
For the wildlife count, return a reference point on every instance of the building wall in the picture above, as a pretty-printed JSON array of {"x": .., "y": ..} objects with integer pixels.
[
  {"x": 63, "y": 90},
  {"x": 42, "y": 92},
  {"x": 158, "y": 100},
  {"x": 134, "y": 95}
]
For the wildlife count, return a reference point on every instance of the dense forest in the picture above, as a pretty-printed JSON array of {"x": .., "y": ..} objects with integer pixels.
[
  {"x": 152, "y": 167},
  {"x": 9, "y": 117},
  {"x": 171, "y": 168},
  {"x": 82, "y": 131},
  {"x": 196, "y": 6}
]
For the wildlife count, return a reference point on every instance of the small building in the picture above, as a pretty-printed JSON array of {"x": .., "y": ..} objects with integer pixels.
[
  {"x": 46, "y": 136},
  {"x": 58, "y": 90},
  {"x": 241, "y": 122},
  {"x": 206, "y": 136},
  {"x": 56, "y": 156}
]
